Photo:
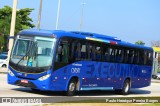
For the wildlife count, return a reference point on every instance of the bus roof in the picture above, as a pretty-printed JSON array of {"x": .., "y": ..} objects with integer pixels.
[{"x": 82, "y": 35}]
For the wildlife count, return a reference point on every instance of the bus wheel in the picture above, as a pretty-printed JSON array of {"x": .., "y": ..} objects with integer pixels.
[
  {"x": 71, "y": 88},
  {"x": 126, "y": 87}
]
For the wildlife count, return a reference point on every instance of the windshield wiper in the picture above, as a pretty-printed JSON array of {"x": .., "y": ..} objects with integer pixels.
[{"x": 30, "y": 46}]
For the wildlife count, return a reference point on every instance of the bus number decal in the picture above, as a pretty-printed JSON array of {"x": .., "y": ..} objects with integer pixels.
[{"x": 75, "y": 70}]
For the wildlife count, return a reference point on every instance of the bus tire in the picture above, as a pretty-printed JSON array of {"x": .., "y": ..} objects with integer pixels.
[
  {"x": 126, "y": 87},
  {"x": 71, "y": 87}
]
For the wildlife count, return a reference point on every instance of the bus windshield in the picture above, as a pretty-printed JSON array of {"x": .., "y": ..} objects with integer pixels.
[{"x": 33, "y": 52}]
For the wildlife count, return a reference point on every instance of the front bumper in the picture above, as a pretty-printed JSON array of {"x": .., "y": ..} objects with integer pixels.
[{"x": 37, "y": 84}]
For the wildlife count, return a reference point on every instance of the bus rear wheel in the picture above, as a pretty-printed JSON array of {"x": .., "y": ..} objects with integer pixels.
[
  {"x": 71, "y": 88},
  {"x": 126, "y": 87}
]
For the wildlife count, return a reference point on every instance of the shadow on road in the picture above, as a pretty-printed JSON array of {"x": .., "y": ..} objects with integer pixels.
[{"x": 139, "y": 91}]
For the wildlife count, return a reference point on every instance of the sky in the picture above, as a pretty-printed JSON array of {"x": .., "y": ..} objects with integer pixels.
[{"x": 129, "y": 20}]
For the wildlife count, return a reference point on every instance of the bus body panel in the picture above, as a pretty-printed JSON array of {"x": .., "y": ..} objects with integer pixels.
[{"x": 93, "y": 76}]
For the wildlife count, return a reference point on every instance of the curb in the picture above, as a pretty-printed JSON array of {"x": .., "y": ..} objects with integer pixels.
[{"x": 3, "y": 72}]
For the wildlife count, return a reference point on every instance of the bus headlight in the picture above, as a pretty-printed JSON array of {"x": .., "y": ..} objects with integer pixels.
[
  {"x": 44, "y": 77},
  {"x": 10, "y": 73}
]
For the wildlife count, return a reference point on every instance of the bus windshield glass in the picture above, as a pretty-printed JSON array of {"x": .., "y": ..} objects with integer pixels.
[{"x": 33, "y": 52}]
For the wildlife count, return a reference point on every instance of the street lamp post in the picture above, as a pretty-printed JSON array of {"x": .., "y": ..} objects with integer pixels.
[
  {"x": 39, "y": 15},
  {"x": 58, "y": 12},
  {"x": 81, "y": 19},
  {"x": 12, "y": 29}
]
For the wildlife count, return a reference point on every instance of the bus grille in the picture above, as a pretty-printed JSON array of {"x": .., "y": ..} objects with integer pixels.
[{"x": 29, "y": 84}]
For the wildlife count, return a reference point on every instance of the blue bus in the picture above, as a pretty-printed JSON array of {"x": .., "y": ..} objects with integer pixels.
[{"x": 70, "y": 61}]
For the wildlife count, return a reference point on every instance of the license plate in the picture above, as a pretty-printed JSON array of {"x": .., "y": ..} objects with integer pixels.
[{"x": 24, "y": 81}]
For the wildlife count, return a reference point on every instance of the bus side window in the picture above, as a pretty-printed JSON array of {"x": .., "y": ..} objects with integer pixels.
[
  {"x": 73, "y": 44},
  {"x": 138, "y": 60},
  {"x": 89, "y": 51},
  {"x": 126, "y": 52},
  {"x": 131, "y": 56},
  {"x": 98, "y": 53},
  {"x": 76, "y": 53},
  {"x": 145, "y": 57},
  {"x": 135, "y": 57},
  {"x": 93, "y": 53},
  {"x": 122, "y": 55},
  {"x": 65, "y": 53},
  {"x": 119, "y": 55},
  {"x": 83, "y": 52},
  {"x": 149, "y": 58},
  {"x": 138, "y": 57},
  {"x": 74, "y": 50},
  {"x": 112, "y": 54},
  {"x": 141, "y": 57},
  {"x": 105, "y": 53},
  {"x": 58, "y": 53},
  {"x": 62, "y": 52}
]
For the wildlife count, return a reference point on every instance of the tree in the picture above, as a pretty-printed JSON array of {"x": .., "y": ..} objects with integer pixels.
[
  {"x": 23, "y": 21},
  {"x": 140, "y": 42},
  {"x": 155, "y": 43}
]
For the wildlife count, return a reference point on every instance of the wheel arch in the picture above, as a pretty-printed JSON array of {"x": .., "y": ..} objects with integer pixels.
[
  {"x": 77, "y": 81},
  {"x": 127, "y": 78}
]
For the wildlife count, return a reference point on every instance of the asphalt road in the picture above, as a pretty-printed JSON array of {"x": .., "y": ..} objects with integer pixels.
[{"x": 7, "y": 90}]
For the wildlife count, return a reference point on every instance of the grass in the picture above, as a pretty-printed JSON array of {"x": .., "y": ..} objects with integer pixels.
[
  {"x": 103, "y": 100},
  {"x": 101, "y": 104}
]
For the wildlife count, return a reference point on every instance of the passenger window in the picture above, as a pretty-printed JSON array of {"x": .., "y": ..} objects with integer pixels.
[
  {"x": 98, "y": 53},
  {"x": 62, "y": 54},
  {"x": 136, "y": 57},
  {"x": 119, "y": 55},
  {"x": 112, "y": 54},
  {"x": 145, "y": 57},
  {"x": 93, "y": 53},
  {"x": 90, "y": 51},
  {"x": 83, "y": 52},
  {"x": 65, "y": 53},
  {"x": 126, "y": 56},
  {"x": 106, "y": 53},
  {"x": 131, "y": 56},
  {"x": 149, "y": 58},
  {"x": 59, "y": 53},
  {"x": 141, "y": 57}
]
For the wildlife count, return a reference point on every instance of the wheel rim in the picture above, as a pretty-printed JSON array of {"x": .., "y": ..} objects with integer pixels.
[
  {"x": 126, "y": 87},
  {"x": 72, "y": 87}
]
